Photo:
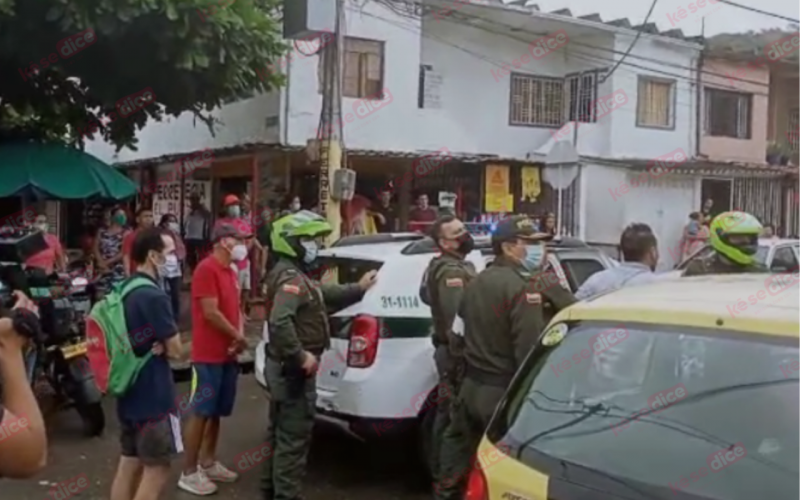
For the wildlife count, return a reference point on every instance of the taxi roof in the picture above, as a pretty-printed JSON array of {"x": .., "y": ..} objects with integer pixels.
[{"x": 757, "y": 303}]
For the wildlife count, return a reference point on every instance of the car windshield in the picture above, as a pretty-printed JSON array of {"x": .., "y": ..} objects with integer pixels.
[{"x": 706, "y": 413}]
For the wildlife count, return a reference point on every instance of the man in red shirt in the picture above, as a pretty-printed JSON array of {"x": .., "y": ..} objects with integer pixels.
[
  {"x": 217, "y": 339},
  {"x": 232, "y": 207},
  {"x": 144, "y": 219},
  {"x": 421, "y": 217}
]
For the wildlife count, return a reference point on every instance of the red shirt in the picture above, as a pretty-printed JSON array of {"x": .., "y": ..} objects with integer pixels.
[
  {"x": 127, "y": 246},
  {"x": 210, "y": 279},
  {"x": 46, "y": 259}
]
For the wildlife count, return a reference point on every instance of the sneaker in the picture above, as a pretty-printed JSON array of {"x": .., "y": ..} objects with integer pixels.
[
  {"x": 197, "y": 483},
  {"x": 219, "y": 473}
]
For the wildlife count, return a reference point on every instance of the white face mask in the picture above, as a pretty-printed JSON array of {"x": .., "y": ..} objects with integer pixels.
[
  {"x": 311, "y": 249},
  {"x": 239, "y": 253},
  {"x": 174, "y": 227},
  {"x": 42, "y": 226}
]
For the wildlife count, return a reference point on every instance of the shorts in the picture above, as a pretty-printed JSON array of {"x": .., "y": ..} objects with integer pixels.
[
  {"x": 154, "y": 442},
  {"x": 214, "y": 389},
  {"x": 244, "y": 277}
]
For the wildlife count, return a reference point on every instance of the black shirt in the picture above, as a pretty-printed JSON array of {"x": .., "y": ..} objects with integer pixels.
[
  {"x": 390, "y": 214},
  {"x": 149, "y": 319}
]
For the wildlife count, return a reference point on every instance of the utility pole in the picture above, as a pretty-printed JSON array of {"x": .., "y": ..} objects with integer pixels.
[{"x": 329, "y": 134}]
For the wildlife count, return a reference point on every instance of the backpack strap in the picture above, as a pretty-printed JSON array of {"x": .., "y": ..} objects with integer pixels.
[{"x": 133, "y": 283}]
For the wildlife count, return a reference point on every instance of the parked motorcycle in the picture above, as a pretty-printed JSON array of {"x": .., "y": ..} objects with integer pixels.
[{"x": 59, "y": 354}]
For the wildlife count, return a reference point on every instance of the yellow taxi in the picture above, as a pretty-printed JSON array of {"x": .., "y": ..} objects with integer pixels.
[{"x": 681, "y": 389}]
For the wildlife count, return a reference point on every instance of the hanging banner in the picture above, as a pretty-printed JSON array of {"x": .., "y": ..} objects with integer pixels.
[
  {"x": 531, "y": 183},
  {"x": 167, "y": 198},
  {"x": 498, "y": 197}
]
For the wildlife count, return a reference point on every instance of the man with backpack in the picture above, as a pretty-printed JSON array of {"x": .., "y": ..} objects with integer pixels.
[{"x": 137, "y": 328}]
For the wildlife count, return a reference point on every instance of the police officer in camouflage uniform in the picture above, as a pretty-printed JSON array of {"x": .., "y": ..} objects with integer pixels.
[
  {"x": 734, "y": 238},
  {"x": 298, "y": 335},
  {"x": 441, "y": 288},
  {"x": 501, "y": 318}
]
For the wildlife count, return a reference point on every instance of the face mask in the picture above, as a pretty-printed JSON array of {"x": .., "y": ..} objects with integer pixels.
[
  {"x": 311, "y": 249},
  {"x": 295, "y": 207},
  {"x": 465, "y": 244},
  {"x": 120, "y": 219},
  {"x": 161, "y": 264},
  {"x": 239, "y": 252},
  {"x": 534, "y": 255},
  {"x": 42, "y": 227},
  {"x": 174, "y": 227},
  {"x": 235, "y": 211}
]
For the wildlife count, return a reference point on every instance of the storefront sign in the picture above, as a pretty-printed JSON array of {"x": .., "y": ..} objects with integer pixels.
[
  {"x": 498, "y": 196},
  {"x": 167, "y": 197},
  {"x": 531, "y": 183}
]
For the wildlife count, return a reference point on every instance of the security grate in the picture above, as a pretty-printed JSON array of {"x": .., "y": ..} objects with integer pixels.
[
  {"x": 792, "y": 132},
  {"x": 536, "y": 101}
]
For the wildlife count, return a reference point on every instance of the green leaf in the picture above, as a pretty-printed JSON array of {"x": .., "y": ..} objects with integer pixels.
[
  {"x": 200, "y": 60},
  {"x": 172, "y": 14}
]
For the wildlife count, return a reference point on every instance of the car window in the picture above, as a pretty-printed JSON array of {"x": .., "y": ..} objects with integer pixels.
[
  {"x": 579, "y": 270},
  {"x": 654, "y": 404},
  {"x": 784, "y": 260},
  {"x": 702, "y": 253},
  {"x": 340, "y": 270}
]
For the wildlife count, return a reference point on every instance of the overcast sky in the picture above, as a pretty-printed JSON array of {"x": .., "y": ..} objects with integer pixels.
[{"x": 720, "y": 18}]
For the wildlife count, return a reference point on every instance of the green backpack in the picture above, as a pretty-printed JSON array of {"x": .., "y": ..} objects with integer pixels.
[{"x": 114, "y": 364}]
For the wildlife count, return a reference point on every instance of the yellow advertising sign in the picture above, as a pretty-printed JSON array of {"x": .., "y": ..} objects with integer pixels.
[
  {"x": 498, "y": 197},
  {"x": 531, "y": 183}
]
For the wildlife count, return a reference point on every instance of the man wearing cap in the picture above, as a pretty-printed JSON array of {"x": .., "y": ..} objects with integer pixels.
[
  {"x": 217, "y": 340},
  {"x": 441, "y": 288},
  {"x": 501, "y": 318},
  {"x": 232, "y": 208}
]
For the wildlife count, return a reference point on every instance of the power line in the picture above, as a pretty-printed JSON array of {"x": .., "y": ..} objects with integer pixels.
[
  {"x": 506, "y": 27},
  {"x": 581, "y": 55},
  {"x": 759, "y": 11},
  {"x": 636, "y": 39}
]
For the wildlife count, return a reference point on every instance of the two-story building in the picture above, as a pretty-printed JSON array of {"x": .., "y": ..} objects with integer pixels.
[
  {"x": 490, "y": 87},
  {"x": 750, "y": 113}
]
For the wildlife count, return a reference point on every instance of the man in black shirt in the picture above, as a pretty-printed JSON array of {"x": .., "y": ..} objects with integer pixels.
[{"x": 385, "y": 214}]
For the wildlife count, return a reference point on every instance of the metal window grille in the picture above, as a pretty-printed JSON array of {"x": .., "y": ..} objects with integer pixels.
[
  {"x": 581, "y": 97},
  {"x": 792, "y": 133},
  {"x": 536, "y": 101}
]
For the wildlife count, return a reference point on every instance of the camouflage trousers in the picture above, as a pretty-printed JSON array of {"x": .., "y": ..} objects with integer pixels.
[
  {"x": 470, "y": 413},
  {"x": 291, "y": 422}
]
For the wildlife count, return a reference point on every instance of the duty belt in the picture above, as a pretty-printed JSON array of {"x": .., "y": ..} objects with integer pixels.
[
  {"x": 316, "y": 352},
  {"x": 488, "y": 378}
]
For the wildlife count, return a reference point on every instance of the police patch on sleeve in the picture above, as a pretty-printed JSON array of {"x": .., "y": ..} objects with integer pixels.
[
  {"x": 293, "y": 289},
  {"x": 454, "y": 282}
]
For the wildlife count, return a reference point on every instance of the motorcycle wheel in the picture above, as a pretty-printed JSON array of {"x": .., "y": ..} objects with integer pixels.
[{"x": 93, "y": 417}]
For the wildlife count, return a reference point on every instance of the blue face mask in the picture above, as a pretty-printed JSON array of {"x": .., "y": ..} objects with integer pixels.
[{"x": 534, "y": 256}]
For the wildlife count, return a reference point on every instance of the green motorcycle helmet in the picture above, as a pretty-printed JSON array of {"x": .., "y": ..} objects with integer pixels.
[
  {"x": 290, "y": 229},
  {"x": 735, "y": 235}
]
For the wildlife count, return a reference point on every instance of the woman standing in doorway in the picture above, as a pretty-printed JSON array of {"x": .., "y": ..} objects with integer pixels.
[
  {"x": 173, "y": 277},
  {"x": 549, "y": 223},
  {"x": 108, "y": 248}
]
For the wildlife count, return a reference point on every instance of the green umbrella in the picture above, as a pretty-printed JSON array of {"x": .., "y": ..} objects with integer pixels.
[{"x": 59, "y": 171}]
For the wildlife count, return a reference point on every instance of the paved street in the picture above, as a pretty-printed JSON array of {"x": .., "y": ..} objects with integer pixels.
[{"x": 341, "y": 468}]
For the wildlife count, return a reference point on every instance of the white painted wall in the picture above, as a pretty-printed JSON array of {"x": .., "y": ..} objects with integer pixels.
[
  {"x": 237, "y": 123},
  {"x": 614, "y": 200},
  {"x": 474, "y": 110}
]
